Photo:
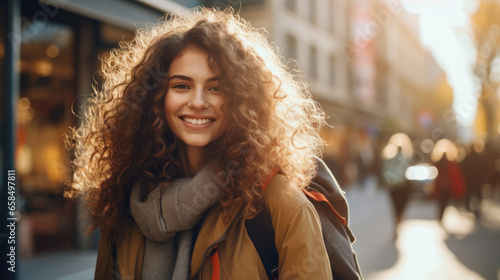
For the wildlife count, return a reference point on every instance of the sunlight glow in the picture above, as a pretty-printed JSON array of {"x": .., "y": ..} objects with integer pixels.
[
  {"x": 444, "y": 31},
  {"x": 422, "y": 242}
]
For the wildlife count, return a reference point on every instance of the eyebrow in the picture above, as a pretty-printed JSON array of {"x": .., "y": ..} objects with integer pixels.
[{"x": 186, "y": 78}]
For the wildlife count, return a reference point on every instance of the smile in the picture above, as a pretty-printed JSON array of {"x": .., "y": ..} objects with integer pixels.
[{"x": 197, "y": 121}]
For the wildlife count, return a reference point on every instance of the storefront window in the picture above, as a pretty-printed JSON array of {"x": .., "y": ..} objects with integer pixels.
[
  {"x": 47, "y": 76},
  {"x": 44, "y": 110}
]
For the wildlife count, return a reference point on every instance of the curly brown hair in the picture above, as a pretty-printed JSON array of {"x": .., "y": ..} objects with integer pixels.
[{"x": 274, "y": 123}]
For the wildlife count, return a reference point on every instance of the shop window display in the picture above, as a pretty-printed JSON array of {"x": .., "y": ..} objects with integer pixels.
[{"x": 47, "y": 76}]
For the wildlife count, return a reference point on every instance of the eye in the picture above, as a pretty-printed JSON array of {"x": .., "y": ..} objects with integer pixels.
[
  {"x": 216, "y": 88},
  {"x": 180, "y": 86}
]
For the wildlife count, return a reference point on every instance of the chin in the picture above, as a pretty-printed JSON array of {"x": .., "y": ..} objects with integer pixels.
[{"x": 197, "y": 144}]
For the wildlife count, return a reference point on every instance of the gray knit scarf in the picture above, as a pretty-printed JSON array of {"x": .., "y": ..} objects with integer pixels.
[{"x": 167, "y": 218}]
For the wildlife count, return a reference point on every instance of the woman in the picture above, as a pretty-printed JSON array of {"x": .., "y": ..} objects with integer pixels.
[{"x": 193, "y": 115}]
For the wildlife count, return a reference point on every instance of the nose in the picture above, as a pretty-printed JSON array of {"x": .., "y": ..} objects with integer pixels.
[{"x": 198, "y": 100}]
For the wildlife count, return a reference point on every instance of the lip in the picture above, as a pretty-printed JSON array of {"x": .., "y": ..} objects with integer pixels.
[{"x": 197, "y": 126}]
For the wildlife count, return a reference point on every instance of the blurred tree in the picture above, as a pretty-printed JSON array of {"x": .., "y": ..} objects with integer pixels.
[{"x": 485, "y": 23}]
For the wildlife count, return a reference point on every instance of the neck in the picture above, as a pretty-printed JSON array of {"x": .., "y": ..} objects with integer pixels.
[{"x": 191, "y": 160}]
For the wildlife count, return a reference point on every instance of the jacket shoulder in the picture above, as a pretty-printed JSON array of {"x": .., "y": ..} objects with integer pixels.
[
  {"x": 298, "y": 232},
  {"x": 283, "y": 198}
]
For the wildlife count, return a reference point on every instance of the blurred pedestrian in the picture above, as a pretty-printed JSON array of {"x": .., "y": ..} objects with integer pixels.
[
  {"x": 394, "y": 166},
  {"x": 492, "y": 160},
  {"x": 473, "y": 166},
  {"x": 378, "y": 161},
  {"x": 449, "y": 183},
  {"x": 365, "y": 159}
]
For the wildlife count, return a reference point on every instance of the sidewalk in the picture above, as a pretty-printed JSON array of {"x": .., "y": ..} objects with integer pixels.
[
  {"x": 371, "y": 216},
  {"x": 366, "y": 201}
]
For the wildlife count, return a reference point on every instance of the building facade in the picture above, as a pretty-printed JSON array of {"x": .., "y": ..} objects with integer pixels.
[{"x": 411, "y": 87}]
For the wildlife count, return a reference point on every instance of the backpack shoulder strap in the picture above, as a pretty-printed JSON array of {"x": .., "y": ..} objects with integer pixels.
[
  {"x": 319, "y": 197},
  {"x": 261, "y": 232}
]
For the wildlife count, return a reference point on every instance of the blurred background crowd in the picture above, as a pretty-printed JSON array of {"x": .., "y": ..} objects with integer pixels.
[{"x": 384, "y": 93}]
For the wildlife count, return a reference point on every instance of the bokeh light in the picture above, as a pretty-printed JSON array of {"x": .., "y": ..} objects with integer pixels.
[
  {"x": 444, "y": 146},
  {"x": 427, "y": 145},
  {"x": 400, "y": 140},
  {"x": 52, "y": 51},
  {"x": 44, "y": 68},
  {"x": 421, "y": 172}
]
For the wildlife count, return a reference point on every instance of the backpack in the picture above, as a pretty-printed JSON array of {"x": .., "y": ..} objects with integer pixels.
[{"x": 331, "y": 205}]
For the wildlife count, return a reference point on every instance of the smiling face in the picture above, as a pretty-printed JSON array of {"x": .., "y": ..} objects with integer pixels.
[{"x": 193, "y": 100}]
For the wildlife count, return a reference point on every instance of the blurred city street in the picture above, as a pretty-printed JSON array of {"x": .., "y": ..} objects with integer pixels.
[{"x": 460, "y": 249}]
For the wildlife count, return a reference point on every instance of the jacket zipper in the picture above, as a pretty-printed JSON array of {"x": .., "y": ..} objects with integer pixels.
[{"x": 217, "y": 243}]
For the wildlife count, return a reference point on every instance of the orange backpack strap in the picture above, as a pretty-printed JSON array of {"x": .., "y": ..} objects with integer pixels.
[{"x": 321, "y": 198}]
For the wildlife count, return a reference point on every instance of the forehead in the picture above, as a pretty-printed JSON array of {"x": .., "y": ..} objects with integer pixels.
[{"x": 191, "y": 61}]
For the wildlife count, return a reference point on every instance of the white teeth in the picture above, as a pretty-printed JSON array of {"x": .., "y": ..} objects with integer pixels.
[{"x": 196, "y": 121}]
